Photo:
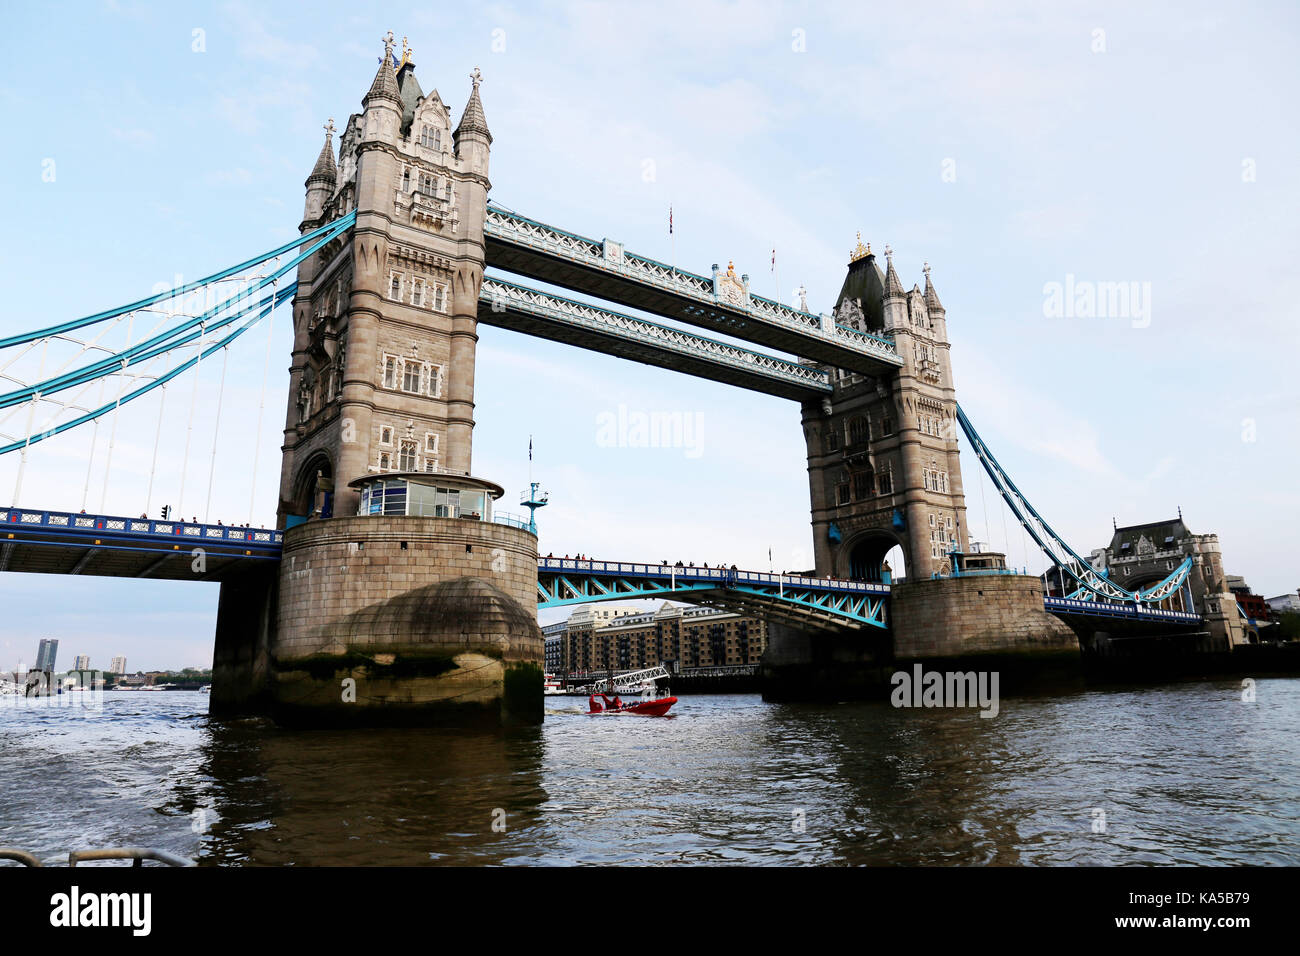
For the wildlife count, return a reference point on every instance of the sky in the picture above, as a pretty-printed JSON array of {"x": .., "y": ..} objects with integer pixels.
[{"x": 1012, "y": 146}]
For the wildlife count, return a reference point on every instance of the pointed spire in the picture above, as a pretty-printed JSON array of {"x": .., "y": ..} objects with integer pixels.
[
  {"x": 473, "y": 120},
  {"x": 893, "y": 287},
  {"x": 325, "y": 170},
  {"x": 385, "y": 82},
  {"x": 932, "y": 303}
]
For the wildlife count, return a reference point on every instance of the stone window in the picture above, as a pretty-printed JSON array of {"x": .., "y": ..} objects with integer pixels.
[
  {"x": 428, "y": 185},
  {"x": 431, "y": 443},
  {"x": 386, "y": 435},
  {"x": 417, "y": 292},
  {"x": 440, "y": 298},
  {"x": 862, "y": 485},
  {"x": 886, "y": 484},
  {"x": 406, "y": 180},
  {"x": 431, "y": 464},
  {"x": 431, "y": 137},
  {"x": 858, "y": 430},
  {"x": 390, "y": 371},
  {"x": 395, "y": 288},
  {"x": 887, "y": 426},
  {"x": 447, "y": 194},
  {"x": 408, "y": 460},
  {"x": 411, "y": 377},
  {"x": 385, "y": 461},
  {"x": 843, "y": 496},
  {"x": 435, "y": 382}
]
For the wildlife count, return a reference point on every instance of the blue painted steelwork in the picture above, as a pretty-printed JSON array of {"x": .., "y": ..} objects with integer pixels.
[
  {"x": 695, "y": 299},
  {"x": 551, "y": 308},
  {"x": 1054, "y": 546},
  {"x": 277, "y": 299},
  {"x": 160, "y": 343},
  {"x": 566, "y": 581},
  {"x": 30, "y": 525},
  {"x": 330, "y": 230},
  {"x": 1057, "y": 605},
  {"x": 514, "y": 521}
]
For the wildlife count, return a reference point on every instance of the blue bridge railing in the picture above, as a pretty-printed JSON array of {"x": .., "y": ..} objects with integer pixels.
[
  {"x": 114, "y": 525},
  {"x": 1107, "y": 609}
]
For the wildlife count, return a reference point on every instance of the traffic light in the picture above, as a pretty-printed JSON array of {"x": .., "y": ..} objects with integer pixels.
[{"x": 166, "y": 510}]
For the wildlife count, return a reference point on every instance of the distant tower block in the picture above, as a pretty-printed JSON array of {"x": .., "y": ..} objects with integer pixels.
[
  {"x": 882, "y": 451},
  {"x": 396, "y": 585}
]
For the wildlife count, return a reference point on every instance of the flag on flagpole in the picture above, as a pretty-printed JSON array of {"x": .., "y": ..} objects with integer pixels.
[
  {"x": 670, "y": 219},
  {"x": 530, "y": 447},
  {"x": 773, "y": 260}
]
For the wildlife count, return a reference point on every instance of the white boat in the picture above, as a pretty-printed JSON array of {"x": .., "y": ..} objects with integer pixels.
[{"x": 551, "y": 685}]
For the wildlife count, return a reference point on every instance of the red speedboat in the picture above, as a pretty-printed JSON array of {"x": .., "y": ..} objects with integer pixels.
[{"x": 657, "y": 707}]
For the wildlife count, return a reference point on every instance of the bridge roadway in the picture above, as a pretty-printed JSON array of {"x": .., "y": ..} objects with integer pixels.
[
  {"x": 824, "y": 603},
  {"x": 602, "y": 268},
  {"x": 62, "y": 542}
]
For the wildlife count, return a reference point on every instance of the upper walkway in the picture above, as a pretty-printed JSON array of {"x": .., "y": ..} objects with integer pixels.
[
  {"x": 603, "y": 268},
  {"x": 511, "y": 306}
]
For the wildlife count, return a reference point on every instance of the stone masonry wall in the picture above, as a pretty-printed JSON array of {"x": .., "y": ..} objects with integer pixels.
[
  {"x": 993, "y": 614},
  {"x": 333, "y": 568}
]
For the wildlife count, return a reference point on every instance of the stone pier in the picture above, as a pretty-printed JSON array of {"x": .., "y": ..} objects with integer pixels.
[
  {"x": 982, "y": 622},
  {"x": 387, "y": 620}
]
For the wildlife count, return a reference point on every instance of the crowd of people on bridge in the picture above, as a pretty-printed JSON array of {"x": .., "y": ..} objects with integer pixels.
[{"x": 550, "y": 556}]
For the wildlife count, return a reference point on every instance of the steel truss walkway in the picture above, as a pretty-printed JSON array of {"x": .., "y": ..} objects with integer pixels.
[
  {"x": 604, "y": 269},
  {"x": 534, "y": 312}
]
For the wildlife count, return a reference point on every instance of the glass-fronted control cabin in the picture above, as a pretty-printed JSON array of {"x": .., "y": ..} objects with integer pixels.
[{"x": 425, "y": 495}]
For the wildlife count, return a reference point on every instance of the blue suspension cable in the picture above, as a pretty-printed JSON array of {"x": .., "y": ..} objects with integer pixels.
[
  {"x": 1091, "y": 579},
  {"x": 159, "y": 343},
  {"x": 162, "y": 380},
  {"x": 331, "y": 229}
]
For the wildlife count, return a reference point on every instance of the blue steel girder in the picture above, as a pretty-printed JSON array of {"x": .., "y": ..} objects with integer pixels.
[
  {"x": 543, "y": 314},
  {"x": 604, "y": 269},
  {"x": 827, "y": 602}
]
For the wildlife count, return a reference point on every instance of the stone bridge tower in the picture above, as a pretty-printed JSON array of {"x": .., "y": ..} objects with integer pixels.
[
  {"x": 398, "y": 599},
  {"x": 882, "y": 450},
  {"x": 382, "y": 377}
]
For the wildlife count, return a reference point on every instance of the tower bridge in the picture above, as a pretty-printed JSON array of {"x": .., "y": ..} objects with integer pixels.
[{"x": 390, "y": 566}]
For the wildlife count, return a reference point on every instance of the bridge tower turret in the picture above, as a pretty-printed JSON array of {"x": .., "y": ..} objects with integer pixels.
[
  {"x": 386, "y": 318},
  {"x": 882, "y": 452}
]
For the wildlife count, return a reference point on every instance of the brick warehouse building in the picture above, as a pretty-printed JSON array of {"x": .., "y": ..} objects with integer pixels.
[{"x": 627, "y": 640}]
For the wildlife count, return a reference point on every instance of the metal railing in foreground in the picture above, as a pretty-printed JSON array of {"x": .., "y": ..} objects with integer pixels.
[{"x": 137, "y": 855}]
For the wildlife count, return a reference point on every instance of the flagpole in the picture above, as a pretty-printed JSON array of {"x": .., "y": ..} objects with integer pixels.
[
  {"x": 777, "y": 270},
  {"x": 673, "y": 233}
]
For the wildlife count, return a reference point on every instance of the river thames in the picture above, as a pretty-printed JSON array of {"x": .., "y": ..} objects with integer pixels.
[{"x": 1156, "y": 775}]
